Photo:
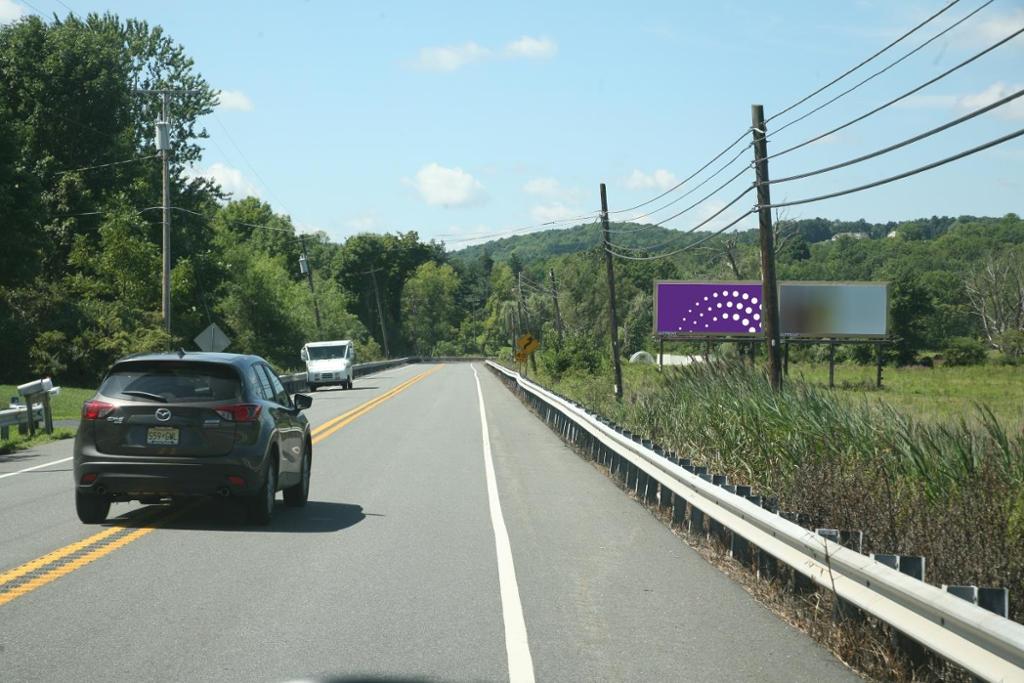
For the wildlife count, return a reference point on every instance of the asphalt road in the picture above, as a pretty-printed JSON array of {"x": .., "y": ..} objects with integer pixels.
[{"x": 403, "y": 566}]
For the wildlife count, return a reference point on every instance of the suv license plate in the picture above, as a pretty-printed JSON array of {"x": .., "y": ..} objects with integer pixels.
[{"x": 162, "y": 436}]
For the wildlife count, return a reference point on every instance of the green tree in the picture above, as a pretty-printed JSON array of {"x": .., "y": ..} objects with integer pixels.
[{"x": 428, "y": 307}]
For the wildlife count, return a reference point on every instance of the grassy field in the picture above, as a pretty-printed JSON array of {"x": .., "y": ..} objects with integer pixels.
[
  {"x": 932, "y": 394},
  {"x": 66, "y": 406}
]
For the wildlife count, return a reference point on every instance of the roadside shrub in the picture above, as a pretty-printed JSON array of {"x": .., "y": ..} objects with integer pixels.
[
  {"x": 965, "y": 351},
  {"x": 1012, "y": 345},
  {"x": 578, "y": 352}
]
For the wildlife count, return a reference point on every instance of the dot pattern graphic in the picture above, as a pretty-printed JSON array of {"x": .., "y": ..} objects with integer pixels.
[{"x": 705, "y": 308}]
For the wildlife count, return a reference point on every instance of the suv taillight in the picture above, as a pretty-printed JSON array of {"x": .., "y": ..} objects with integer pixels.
[
  {"x": 240, "y": 412},
  {"x": 96, "y": 410}
]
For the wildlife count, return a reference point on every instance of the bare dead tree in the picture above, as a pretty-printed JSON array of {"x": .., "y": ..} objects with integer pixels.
[
  {"x": 730, "y": 253},
  {"x": 996, "y": 293}
]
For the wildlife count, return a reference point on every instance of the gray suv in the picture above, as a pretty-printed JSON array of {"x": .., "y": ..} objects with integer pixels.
[{"x": 167, "y": 426}]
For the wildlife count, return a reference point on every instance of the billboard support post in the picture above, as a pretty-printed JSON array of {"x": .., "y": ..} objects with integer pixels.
[
  {"x": 878, "y": 365},
  {"x": 831, "y": 363},
  {"x": 770, "y": 291}
]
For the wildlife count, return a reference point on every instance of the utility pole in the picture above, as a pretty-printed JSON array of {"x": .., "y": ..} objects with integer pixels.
[
  {"x": 519, "y": 304},
  {"x": 611, "y": 293},
  {"x": 306, "y": 267},
  {"x": 769, "y": 287},
  {"x": 380, "y": 313},
  {"x": 554, "y": 300},
  {"x": 524, "y": 317},
  {"x": 163, "y": 144}
]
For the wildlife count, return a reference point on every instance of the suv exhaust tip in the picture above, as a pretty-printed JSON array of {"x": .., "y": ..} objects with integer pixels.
[{"x": 223, "y": 492}]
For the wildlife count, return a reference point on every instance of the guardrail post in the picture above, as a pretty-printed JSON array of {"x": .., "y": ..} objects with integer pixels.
[
  {"x": 715, "y": 529},
  {"x": 995, "y": 600},
  {"x": 678, "y": 510}
]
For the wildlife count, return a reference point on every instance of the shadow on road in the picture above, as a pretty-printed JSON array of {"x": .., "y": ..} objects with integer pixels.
[
  {"x": 339, "y": 390},
  {"x": 317, "y": 517},
  {"x": 18, "y": 456}
]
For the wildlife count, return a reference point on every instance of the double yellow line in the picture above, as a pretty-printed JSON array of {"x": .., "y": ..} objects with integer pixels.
[
  {"x": 333, "y": 425},
  {"x": 53, "y": 565}
]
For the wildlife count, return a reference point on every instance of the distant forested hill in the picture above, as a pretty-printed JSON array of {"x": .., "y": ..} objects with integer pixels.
[{"x": 545, "y": 244}]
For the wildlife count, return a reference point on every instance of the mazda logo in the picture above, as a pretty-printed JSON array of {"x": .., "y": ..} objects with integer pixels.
[{"x": 163, "y": 414}]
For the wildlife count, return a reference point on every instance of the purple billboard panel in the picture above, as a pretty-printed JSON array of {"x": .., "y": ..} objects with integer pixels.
[{"x": 707, "y": 308}]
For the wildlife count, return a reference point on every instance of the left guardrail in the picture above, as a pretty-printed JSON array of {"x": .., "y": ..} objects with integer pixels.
[{"x": 36, "y": 408}]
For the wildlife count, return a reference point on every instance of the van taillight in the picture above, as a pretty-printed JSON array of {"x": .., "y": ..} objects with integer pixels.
[
  {"x": 241, "y": 412},
  {"x": 96, "y": 410}
]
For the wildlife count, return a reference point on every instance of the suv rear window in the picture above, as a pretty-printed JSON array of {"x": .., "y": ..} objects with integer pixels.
[{"x": 172, "y": 381}]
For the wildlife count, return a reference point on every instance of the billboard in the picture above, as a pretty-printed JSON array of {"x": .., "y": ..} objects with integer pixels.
[
  {"x": 834, "y": 309},
  {"x": 806, "y": 309},
  {"x": 707, "y": 308}
]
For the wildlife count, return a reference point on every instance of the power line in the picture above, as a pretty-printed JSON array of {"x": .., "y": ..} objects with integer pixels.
[
  {"x": 706, "y": 197},
  {"x": 899, "y": 98},
  {"x": 904, "y": 143},
  {"x": 112, "y": 163},
  {"x": 513, "y": 231},
  {"x": 246, "y": 160},
  {"x": 688, "y": 178},
  {"x": 688, "y": 247},
  {"x": 881, "y": 71},
  {"x": 682, "y": 196},
  {"x": 872, "y": 57},
  {"x": 907, "y": 174},
  {"x": 695, "y": 228}
]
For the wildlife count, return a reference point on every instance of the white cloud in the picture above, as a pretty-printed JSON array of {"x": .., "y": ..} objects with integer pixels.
[
  {"x": 233, "y": 100},
  {"x": 532, "y": 48},
  {"x": 11, "y": 11},
  {"x": 231, "y": 180},
  {"x": 1013, "y": 110},
  {"x": 364, "y": 222},
  {"x": 543, "y": 187},
  {"x": 993, "y": 93},
  {"x": 660, "y": 179},
  {"x": 552, "y": 190},
  {"x": 994, "y": 28},
  {"x": 453, "y": 57},
  {"x": 556, "y": 211},
  {"x": 441, "y": 186},
  {"x": 705, "y": 212},
  {"x": 450, "y": 58}
]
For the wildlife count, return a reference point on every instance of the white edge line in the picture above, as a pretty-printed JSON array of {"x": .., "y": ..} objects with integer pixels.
[
  {"x": 37, "y": 467},
  {"x": 517, "y": 645}
]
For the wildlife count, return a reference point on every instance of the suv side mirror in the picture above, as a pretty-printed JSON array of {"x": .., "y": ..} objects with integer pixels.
[
  {"x": 303, "y": 355},
  {"x": 302, "y": 401}
]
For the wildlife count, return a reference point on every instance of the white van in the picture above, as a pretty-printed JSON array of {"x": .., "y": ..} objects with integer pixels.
[{"x": 329, "y": 363}]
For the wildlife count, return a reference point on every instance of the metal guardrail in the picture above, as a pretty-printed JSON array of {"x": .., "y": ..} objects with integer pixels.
[
  {"x": 18, "y": 416},
  {"x": 981, "y": 642}
]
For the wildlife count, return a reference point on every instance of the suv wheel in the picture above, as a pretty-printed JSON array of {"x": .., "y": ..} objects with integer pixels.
[
  {"x": 348, "y": 385},
  {"x": 91, "y": 508},
  {"x": 297, "y": 495},
  {"x": 261, "y": 506}
]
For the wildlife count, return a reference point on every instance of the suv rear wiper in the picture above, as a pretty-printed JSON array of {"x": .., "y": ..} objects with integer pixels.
[{"x": 144, "y": 394}]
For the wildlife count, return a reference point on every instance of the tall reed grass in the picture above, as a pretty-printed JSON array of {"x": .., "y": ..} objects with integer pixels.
[{"x": 953, "y": 491}]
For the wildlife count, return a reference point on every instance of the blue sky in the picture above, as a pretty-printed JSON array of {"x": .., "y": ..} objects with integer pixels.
[{"x": 467, "y": 119}]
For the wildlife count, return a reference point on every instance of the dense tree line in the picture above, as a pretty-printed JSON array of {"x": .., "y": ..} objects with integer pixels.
[
  {"x": 954, "y": 282},
  {"x": 80, "y": 257},
  {"x": 80, "y": 260}
]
